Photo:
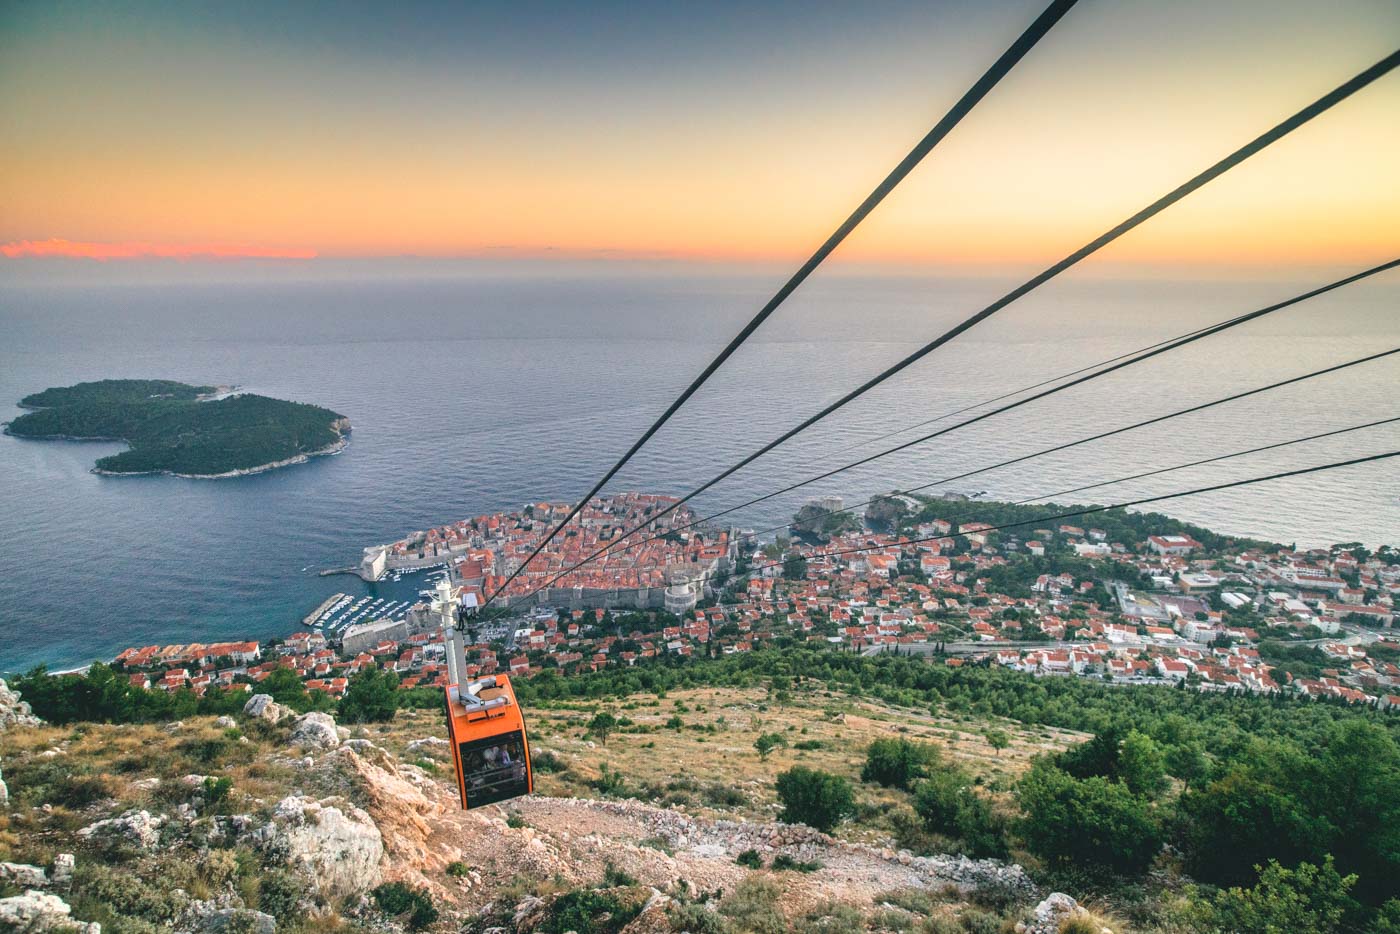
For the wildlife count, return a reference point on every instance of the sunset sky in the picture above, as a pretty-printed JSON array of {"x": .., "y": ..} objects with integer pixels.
[{"x": 735, "y": 131}]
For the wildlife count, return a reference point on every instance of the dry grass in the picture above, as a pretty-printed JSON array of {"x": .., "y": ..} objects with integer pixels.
[
  {"x": 80, "y": 771},
  {"x": 708, "y": 764},
  {"x": 1094, "y": 920}
]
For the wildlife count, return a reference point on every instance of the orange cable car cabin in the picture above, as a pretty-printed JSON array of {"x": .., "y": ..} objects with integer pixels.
[
  {"x": 490, "y": 750},
  {"x": 489, "y": 746}
]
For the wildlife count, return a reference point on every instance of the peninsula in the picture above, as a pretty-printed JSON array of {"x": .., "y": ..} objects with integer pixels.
[{"x": 182, "y": 430}]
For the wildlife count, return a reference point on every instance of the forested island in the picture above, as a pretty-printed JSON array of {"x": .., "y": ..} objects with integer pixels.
[{"x": 183, "y": 430}]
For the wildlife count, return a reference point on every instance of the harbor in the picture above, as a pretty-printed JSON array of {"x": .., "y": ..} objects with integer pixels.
[{"x": 384, "y": 601}]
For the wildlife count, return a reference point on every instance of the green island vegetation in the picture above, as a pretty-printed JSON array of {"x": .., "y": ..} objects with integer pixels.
[
  {"x": 1180, "y": 812},
  {"x": 818, "y": 522},
  {"x": 1119, "y": 525},
  {"x": 173, "y": 428}
]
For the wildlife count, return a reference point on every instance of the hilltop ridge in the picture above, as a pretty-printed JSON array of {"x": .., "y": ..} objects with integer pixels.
[{"x": 261, "y": 818}]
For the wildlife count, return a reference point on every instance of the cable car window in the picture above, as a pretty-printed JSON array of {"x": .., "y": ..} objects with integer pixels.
[{"x": 494, "y": 769}]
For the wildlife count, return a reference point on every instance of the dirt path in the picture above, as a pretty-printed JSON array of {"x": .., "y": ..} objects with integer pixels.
[{"x": 574, "y": 841}]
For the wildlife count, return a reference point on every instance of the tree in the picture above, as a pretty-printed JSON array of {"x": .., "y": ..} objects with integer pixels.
[
  {"x": 1094, "y": 823},
  {"x": 284, "y": 684},
  {"x": 1387, "y": 920},
  {"x": 794, "y": 567},
  {"x": 998, "y": 740},
  {"x": 1238, "y": 821},
  {"x": 896, "y": 762},
  {"x": 815, "y": 798},
  {"x": 1359, "y": 795},
  {"x": 767, "y": 742},
  {"x": 1309, "y": 898},
  {"x": 948, "y": 804},
  {"x": 1133, "y": 758},
  {"x": 601, "y": 725},
  {"x": 1141, "y": 764},
  {"x": 372, "y": 697}
]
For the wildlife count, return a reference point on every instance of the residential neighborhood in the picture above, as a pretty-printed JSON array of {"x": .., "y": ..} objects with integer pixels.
[{"x": 1055, "y": 601}]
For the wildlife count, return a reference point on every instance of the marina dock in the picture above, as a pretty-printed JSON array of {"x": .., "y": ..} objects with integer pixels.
[{"x": 326, "y": 605}]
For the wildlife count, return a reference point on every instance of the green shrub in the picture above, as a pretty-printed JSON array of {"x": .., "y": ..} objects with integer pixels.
[
  {"x": 749, "y": 859},
  {"x": 1308, "y": 898},
  {"x": 975, "y": 921},
  {"x": 897, "y": 763},
  {"x": 280, "y": 894},
  {"x": 616, "y": 878},
  {"x": 718, "y": 795},
  {"x": 585, "y": 911},
  {"x": 400, "y": 900},
  {"x": 602, "y": 726},
  {"x": 546, "y": 762},
  {"x": 753, "y": 907},
  {"x": 815, "y": 798},
  {"x": 610, "y": 782},
  {"x": 371, "y": 697},
  {"x": 216, "y": 790},
  {"x": 697, "y": 919},
  {"x": 947, "y": 804},
  {"x": 457, "y": 869},
  {"x": 785, "y": 863},
  {"x": 831, "y": 918},
  {"x": 891, "y": 919},
  {"x": 767, "y": 742},
  {"x": 103, "y": 889},
  {"x": 1094, "y": 822},
  {"x": 209, "y": 750},
  {"x": 916, "y": 900},
  {"x": 51, "y": 781}
]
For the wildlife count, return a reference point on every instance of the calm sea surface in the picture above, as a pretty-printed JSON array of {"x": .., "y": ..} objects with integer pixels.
[{"x": 476, "y": 393}]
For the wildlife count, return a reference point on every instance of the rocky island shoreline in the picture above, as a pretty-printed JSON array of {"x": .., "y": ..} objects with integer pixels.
[{"x": 180, "y": 430}]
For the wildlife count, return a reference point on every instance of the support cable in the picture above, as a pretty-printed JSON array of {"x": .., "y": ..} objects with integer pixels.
[
  {"x": 1317, "y": 107},
  {"x": 974, "y": 95}
]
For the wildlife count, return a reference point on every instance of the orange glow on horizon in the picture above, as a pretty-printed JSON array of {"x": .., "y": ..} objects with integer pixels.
[{"x": 77, "y": 249}]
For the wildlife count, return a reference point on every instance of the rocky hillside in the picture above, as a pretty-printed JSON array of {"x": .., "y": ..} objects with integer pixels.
[{"x": 275, "y": 822}]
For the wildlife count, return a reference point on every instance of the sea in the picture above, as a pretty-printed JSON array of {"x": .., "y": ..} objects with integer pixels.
[{"x": 477, "y": 388}]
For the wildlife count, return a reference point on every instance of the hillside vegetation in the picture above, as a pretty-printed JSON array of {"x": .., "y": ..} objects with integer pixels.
[
  {"x": 956, "y": 797},
  {"x": 205, "y": 822},
  {"x": 170, "y": 430}
]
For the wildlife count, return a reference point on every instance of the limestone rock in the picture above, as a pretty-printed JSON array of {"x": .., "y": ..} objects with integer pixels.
[
  {"x": 62, "y": 872},
  {"x": 527, "y": 912},
  {"x": 4, "y": 793},
  {"x": 1050, "y": 914},
  {"x": 215, "y": 917},
  {"x": 13, "y": 710},
  {"x": 315, "y": 730},
  {"x": 430, "y": 746},
  {"x": 135, "y": 828},
  {"x": 398, "y": 807},
  {"x": 24, "y": 875},
  {"x": 263, "y": 707},
  {"x": 39, "y": 912},
  {"x": 331, "y": 842},
  {"x": 225, "y": 723}
]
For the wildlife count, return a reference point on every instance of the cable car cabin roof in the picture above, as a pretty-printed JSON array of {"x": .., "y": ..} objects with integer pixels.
[{"x": 490, "y": 751}]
